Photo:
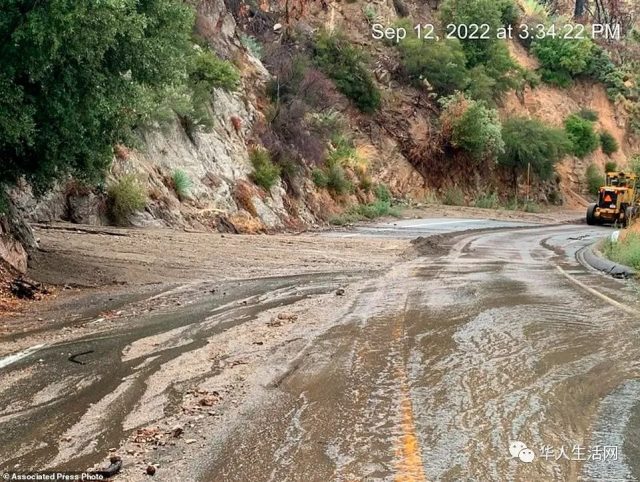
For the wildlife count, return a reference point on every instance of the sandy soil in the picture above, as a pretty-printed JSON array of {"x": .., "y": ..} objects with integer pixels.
[{"x": 76, "y": 261}]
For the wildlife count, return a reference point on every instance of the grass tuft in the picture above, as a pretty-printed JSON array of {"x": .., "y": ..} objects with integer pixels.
[
  {"x": 182, "y": 184},
  {"x": 126, "y": 196},
  {"x": 453, "y": 197},
  {"x": 488, "y": 201}
]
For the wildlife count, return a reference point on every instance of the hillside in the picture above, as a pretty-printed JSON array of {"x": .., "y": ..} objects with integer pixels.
[{"x": 306, "y": 154}]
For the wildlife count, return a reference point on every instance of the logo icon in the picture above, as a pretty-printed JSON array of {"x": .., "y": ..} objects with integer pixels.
[{"x": 520, "y": 451}]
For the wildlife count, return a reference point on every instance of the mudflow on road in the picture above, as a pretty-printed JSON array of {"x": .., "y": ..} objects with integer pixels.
[{"x": 427, "y": 366}]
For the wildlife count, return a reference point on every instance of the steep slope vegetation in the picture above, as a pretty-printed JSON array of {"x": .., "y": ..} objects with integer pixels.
[{"x": 325, "y": 118}]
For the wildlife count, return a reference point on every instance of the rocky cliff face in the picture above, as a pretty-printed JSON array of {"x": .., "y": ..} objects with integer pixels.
[
  {"x": 401, "y": 141},
  {"x": 216, "y": 161}
]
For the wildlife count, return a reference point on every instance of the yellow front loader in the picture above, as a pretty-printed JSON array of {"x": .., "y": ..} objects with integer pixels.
[{"x": 617, "y": 200}]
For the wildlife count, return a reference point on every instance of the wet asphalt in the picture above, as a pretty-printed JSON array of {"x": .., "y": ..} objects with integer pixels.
[{"x": 442, "y": 365}]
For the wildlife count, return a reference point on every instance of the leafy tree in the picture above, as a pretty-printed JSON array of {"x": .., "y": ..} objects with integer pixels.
[
  {"x": 478, "y": 12},
  {"x": 77, "y": 77},
  {"x": 345, "y": 64},
  {"x": 442, "y": 64},
  {"x": 472, "y": 126},
  {"x": 581, "y": 134},
  {"x": 530, "y": 142},
  {"x": 493, "y": 71}
]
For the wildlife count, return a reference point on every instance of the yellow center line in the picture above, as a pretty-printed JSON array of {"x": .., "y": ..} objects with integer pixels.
[{"x": 409, "y": 467}]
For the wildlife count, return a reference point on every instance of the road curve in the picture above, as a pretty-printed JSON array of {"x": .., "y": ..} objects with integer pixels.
[{"x": 429, "y": 371}]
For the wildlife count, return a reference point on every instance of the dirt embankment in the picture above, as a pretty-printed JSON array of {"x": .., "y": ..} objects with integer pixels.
[{"x": 553, "y": 105}]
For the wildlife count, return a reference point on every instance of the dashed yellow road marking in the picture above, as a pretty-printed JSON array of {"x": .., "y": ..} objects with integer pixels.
[{"x": 409, "y": 467}]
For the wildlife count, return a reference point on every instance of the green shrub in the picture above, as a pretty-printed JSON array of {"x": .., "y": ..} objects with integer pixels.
[
  {"x": 442, "y": 64},
  {"x": 472, "y": 126},
  {"x": 625, "y": 251},
  {"x": 78, "y": 78},
  {"x": 559, "y": 78},
  {"x": 487, "y": 201},
  {"x": 265, "y": 172},
  {"x": 610, "y": 166},
  {"x": 181, "y": 184},
  {"x": 359, "y": 212},
  {"x": 484, "y": 69},
  {"x": 588, "y": 114},
  {"x": 603, "y": 69},
  {"x": 337, "y": 181},
  {"x": 509, "y": 12},
  {"x": 210, "y": 71},
  {"x": 206, "y": 72},
  {"x": 581, "y": 134},
  {"x": 343, "y": 149},
  {"x": 125, "y": 197},
  {"x": 634, "y": 164},
  {"x": 529, "y": 142},
  {"x": 595, "y": 179},
  {"x": 478, "y": 12},
  {"x": 383, "y": 193},
  {"x": 608, "y": 143},
  {"x": 369, "y": 12},
  {"x": 562, "y": 59},
  {"x": 453, "y": 197},
  {"x": 431, "y": 197},
  {"x": 320, "y": 178},
  {"x": 535, "y": 9},
  {"x": 345, "y": 64},
  {"x": 481, "y": 85},
  {"x": 531, "y": 207},
  {"x": 252, "y": 45},
  {"x": 374, "y": 210},
  {"x": 345, "y": 218}
]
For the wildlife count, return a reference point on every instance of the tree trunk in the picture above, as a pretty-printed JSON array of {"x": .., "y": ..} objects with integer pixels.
[{"x": 579, "y": 9}]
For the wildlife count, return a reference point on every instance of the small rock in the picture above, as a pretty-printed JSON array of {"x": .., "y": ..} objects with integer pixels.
[
  {"x": 190, "y": 441},
  {"x": 287, "y": 316},
  {"x": 177, "y": 431},
  {"x": 151, "y": 470},
  {"x": 340, "y": 292}
]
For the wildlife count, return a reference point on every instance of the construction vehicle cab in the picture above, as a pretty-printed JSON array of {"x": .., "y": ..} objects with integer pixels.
[{"x": 617, "y": 202}]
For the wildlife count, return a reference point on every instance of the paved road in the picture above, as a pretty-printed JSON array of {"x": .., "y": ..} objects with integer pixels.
[{"x": 435, "y": 370}]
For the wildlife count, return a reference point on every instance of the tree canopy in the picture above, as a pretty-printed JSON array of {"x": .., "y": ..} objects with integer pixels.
[
  {"x": 77, "y": 76},
  {"x": 529, "y": 141}
]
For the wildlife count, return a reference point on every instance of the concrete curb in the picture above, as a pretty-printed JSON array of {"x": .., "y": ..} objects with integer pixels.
[{"x": 591, "y": 256}]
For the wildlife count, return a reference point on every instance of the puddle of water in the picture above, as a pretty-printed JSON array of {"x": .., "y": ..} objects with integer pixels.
[{"x": 11, "y": 359}]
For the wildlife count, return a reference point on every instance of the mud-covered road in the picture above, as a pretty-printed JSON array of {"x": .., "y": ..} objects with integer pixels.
[{"x": 430, "y": 366}]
